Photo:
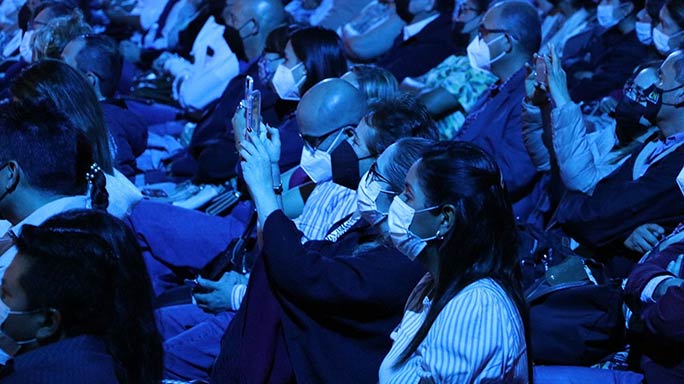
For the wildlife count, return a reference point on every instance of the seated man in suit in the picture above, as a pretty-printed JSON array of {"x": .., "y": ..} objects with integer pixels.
[
  {"x": 600, "y": 60},
  {"x": 509, "y": 35},
  {"x": 427, "y": 35},
  {"x": 97, "y": 58},
  {"x": 644, "y": 189}
]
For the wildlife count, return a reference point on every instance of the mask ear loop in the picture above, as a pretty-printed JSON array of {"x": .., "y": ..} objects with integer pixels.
[{"x": 502, "y": 54}]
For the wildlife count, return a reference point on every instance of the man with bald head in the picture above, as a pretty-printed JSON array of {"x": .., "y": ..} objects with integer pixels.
[
  {"x": 351, "y": 152},
  {"x": 211, "y": 156},
  {"x": 324, "y": 111},
  {"x": 510, "y": 33}
]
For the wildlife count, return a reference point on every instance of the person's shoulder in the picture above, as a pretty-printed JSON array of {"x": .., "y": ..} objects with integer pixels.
[
  {"x": 481, "y": 294},
  {"x": 80, "y": 359}
]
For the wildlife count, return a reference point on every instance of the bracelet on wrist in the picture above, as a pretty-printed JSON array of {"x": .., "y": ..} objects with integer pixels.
[{"x": 279, "y": 189}]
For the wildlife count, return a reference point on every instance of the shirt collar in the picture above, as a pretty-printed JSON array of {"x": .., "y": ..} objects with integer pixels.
[
  {"x": 673, "y": 139},
  {"x": 50, "y": 209},
  {"x": 415, "y": 28}
]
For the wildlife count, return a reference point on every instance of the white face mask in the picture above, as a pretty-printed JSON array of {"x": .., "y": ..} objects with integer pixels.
[
  {"x": 367, "y": 194},
  {"x": 479, "y": 56},
  {"x": 284, "y": 81},
  {"x": 606, "y": 16},
  {"x": 644, "y": 32},
  {"x": 26, "y": 48},
  {"x": 662, "y": 40},
  {"x": 318, "y": 164},
  {"x": 8, "y": 346},
  {"x": 399, "y": 219}
]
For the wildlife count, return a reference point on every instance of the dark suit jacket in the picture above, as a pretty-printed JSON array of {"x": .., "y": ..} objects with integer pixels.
[
  {"x": 421, "y": 52},
  {"x": 495, "y": 125},
  {"x": 129, "y": 132},
  {"x": 332, "y": 305},
  {"x": 75, "y": 360},
  {"x": 609, "y": 55},
  {"x": 212, "y": 147},
  {"x": 662, "y": 339},
  {"x": 620, "y": 204}
]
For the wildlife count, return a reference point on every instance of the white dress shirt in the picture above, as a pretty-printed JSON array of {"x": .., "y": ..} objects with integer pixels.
[{"x": 38, "y": 217}]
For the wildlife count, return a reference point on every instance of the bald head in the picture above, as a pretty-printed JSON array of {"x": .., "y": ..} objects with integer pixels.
[
  {"x": 328, "y": 105},
  {"x": 520, "y": 20},
  {"x": 268, "y": 13},
  {"x": 255, "y": 20}
]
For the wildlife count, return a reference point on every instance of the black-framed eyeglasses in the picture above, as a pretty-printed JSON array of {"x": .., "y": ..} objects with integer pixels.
[
  {"x": 462, "y": 9},
  {"x": 375, "y": 175},
  {"x": 312, "y": 142},
  {"x": 483, "y": 31},
  {"x": 37, "y": 24}
]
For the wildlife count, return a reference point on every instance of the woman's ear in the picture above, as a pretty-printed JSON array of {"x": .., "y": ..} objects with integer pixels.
[
  {"x": 447, "y": 219},
  {"x": 13, "y": 176},
  {"x": 50, "y": 326}
]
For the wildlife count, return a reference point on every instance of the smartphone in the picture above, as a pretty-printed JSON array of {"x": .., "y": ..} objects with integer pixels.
[
  {"x": 249, "y": 85},
  {"x": 194, "y": 286},
  {"x": 542, "y": 71},
  {"x": 252, "y": 113},
  {"x": 254, "y": 121}
]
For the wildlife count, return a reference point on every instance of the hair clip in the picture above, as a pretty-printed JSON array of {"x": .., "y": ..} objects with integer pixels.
[{"x": 90, "y": 175}]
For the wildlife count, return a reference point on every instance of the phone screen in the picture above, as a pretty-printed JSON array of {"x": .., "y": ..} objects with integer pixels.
[
  {"x": 542, "y": 72},
  {"x": 255, "y": 114}
]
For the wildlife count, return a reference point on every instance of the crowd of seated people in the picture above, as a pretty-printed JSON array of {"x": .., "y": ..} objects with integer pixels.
[{"x": 341, "y": 191}]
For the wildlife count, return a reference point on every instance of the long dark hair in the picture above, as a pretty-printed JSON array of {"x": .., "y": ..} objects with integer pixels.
[
  {"x": 321, "y": 52},
  {"x": 67, "y": 89},
  {"x": 87, "y": 265},
  {"x": 483, "y": 240}
]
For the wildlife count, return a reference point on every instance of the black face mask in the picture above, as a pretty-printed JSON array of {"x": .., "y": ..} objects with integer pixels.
[
  {"x": 216, "y": 9},
  {"x": 630, "y": 114},
  {"x": 345, "y": 166},
  {"x": 402, "y": 7},
  {"x": 232, "y": 37}
]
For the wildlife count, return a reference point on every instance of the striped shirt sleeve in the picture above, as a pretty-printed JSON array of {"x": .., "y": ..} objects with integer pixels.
[{"x": 469, "y": 342}]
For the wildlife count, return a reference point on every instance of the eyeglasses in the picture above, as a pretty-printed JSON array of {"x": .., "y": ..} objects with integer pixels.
[
  {"x": 484, "y": 31},
  {"x": 34, "y": 24},
  {"x": 462, "y": 9},
  {"x": 375, "y": 176},
  {"x": 312, "y": 142}
]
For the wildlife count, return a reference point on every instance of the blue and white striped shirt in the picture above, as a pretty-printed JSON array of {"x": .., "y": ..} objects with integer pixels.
[
  {"x": 328, "y": 204},
  {"x": 477, "y": 338}
]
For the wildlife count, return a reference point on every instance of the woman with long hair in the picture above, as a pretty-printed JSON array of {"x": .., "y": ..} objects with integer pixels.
[
  {"x": 465, "y": 321},
  {"x": 78, "y": 304},
  {"x": 311, "y": 55}
]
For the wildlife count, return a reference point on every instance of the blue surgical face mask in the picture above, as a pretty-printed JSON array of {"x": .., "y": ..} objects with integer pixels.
[
  {"x": 644, "y": 32},
  {"x": 285, "y": 81},
  {"x": 661, "y": 40},
  {"x": 316, "y": 163},
  {"x": 606, "y": 15},
  {"x": 399, "y": 219},
  {"x": 479, "y": 55},
  {"x": 9, "y": 346},
  {"x": 367, "y": 195}
]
